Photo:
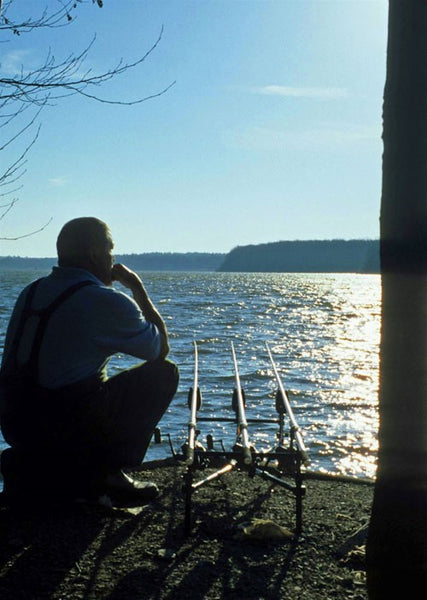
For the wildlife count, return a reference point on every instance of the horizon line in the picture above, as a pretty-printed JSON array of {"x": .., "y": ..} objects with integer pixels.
[{"x": 207, "y": 252}]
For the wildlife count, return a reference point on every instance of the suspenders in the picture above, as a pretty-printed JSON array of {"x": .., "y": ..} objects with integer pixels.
[{"x": 30, "y": 368}]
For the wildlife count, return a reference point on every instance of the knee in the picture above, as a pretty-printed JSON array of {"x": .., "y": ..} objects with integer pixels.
[
  {"x": 169, "y": 370},
  {"x": 163, "y": 370}
]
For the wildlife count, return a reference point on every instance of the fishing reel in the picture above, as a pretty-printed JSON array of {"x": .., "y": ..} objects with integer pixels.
[
  {"x": 198, "y": 446},
  {"x": 198, "y": 398}
]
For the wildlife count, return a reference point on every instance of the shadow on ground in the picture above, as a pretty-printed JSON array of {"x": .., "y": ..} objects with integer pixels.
[{"x": 90, "y": 553}]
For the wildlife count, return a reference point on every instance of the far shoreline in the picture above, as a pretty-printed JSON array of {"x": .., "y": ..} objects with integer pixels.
[{"x": 298, "y": 256}]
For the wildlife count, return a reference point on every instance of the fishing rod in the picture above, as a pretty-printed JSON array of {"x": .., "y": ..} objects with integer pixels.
[
  {"x": 283, "y": 405},
  {"x": 272, "y": 465},
  {"x": 239, "y": 407},
  {"x": 194, "y": 403}
]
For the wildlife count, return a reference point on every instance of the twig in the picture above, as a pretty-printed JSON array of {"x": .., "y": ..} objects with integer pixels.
[{"x": 20, "y": 237}]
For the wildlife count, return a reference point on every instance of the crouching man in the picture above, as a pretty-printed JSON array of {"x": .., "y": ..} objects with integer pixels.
[{"x": 72, "y": 430}]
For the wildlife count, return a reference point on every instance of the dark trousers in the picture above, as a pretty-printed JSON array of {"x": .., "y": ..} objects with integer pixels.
[
  {"x": 88, "y": 430},
  {"x": 129, "y": 408}
]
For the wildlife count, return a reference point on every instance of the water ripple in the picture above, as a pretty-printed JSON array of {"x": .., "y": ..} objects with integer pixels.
[{"x": 323, "y": 331}]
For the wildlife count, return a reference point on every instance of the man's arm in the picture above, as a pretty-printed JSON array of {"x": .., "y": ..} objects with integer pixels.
[{"x": 133, "y": 282}]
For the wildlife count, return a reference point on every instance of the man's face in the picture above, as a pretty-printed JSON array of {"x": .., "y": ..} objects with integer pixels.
[{"x": 103, "y": 261}]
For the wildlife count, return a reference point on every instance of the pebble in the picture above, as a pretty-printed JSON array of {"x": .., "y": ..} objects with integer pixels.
[{"x": 166, "y": 554}]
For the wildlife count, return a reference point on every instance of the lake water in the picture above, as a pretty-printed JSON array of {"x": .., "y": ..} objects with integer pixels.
[{"x": 323, "y": 330}]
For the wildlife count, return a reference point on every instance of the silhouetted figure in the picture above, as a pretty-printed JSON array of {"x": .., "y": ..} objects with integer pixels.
[{"x": 72, "y": 430}]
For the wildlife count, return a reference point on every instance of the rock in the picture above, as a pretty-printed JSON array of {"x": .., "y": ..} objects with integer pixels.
[
  {"x": 264, "y": 529},
  {"x": 356, "y": 539},
  {"x": 166, "y": 554}
]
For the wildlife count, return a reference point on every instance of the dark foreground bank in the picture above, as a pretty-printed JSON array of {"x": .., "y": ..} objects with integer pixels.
[{"x": 94, "y": 553}]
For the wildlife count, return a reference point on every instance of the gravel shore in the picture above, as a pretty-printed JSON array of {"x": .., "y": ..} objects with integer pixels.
[{"x": 96, "y": 553}]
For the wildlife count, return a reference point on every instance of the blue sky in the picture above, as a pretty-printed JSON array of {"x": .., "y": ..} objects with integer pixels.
[{"x": 271, "y": 132}]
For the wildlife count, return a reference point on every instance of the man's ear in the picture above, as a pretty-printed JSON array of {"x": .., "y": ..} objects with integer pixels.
[{"x": 93, "y": 256}]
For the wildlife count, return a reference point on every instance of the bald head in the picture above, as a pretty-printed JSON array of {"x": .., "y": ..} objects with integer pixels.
[
  {"x": 86, "y": 243},
  {"x": 79, "y": 238}
]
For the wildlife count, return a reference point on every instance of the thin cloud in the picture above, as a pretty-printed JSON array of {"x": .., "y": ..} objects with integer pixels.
[
  {"x": 320, "y": 93},
  {"x": 12, "y": 62},
  {"x": 58, "y": 181}
]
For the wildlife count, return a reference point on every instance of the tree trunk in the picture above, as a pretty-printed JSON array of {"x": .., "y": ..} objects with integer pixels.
[{"x": 397, "y": 540}]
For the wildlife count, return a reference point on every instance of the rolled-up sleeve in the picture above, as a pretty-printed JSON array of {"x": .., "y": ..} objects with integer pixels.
[{"x": 121, "y": 327}]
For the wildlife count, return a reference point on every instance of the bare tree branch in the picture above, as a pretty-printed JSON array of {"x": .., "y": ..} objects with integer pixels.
[
  {"x": 8, "y": 207},
  {"x": 51, "y": 81},
  {"x": 19, "y": 133},
  {"x": 56, "y": 18},
  {"x": 11, "y": 170},
  {"x": 25, "y": 235},
  {"x": 8, "y": 193},
  {"x": 31, "y": 87}
]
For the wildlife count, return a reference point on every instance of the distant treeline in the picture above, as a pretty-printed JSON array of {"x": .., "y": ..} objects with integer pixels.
[
  {"x": 152, "y": 261},
  {"x": 172, "y": 261},
  {"x": 315, "y": 256},
  {"x": 17, "y": 263}
]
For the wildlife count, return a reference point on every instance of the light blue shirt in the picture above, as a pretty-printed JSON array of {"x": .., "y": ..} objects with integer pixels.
[{"x": 85, "y": 331}]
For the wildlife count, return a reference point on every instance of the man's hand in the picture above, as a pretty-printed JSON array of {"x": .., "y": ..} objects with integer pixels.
[{"x": 126, "y": 277}]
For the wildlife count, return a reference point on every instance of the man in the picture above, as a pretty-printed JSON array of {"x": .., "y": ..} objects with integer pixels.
[{"x": 72, "y": 430}]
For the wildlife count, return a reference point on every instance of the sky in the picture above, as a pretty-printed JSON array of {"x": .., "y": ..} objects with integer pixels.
[{"x": 271, "y": 130}]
